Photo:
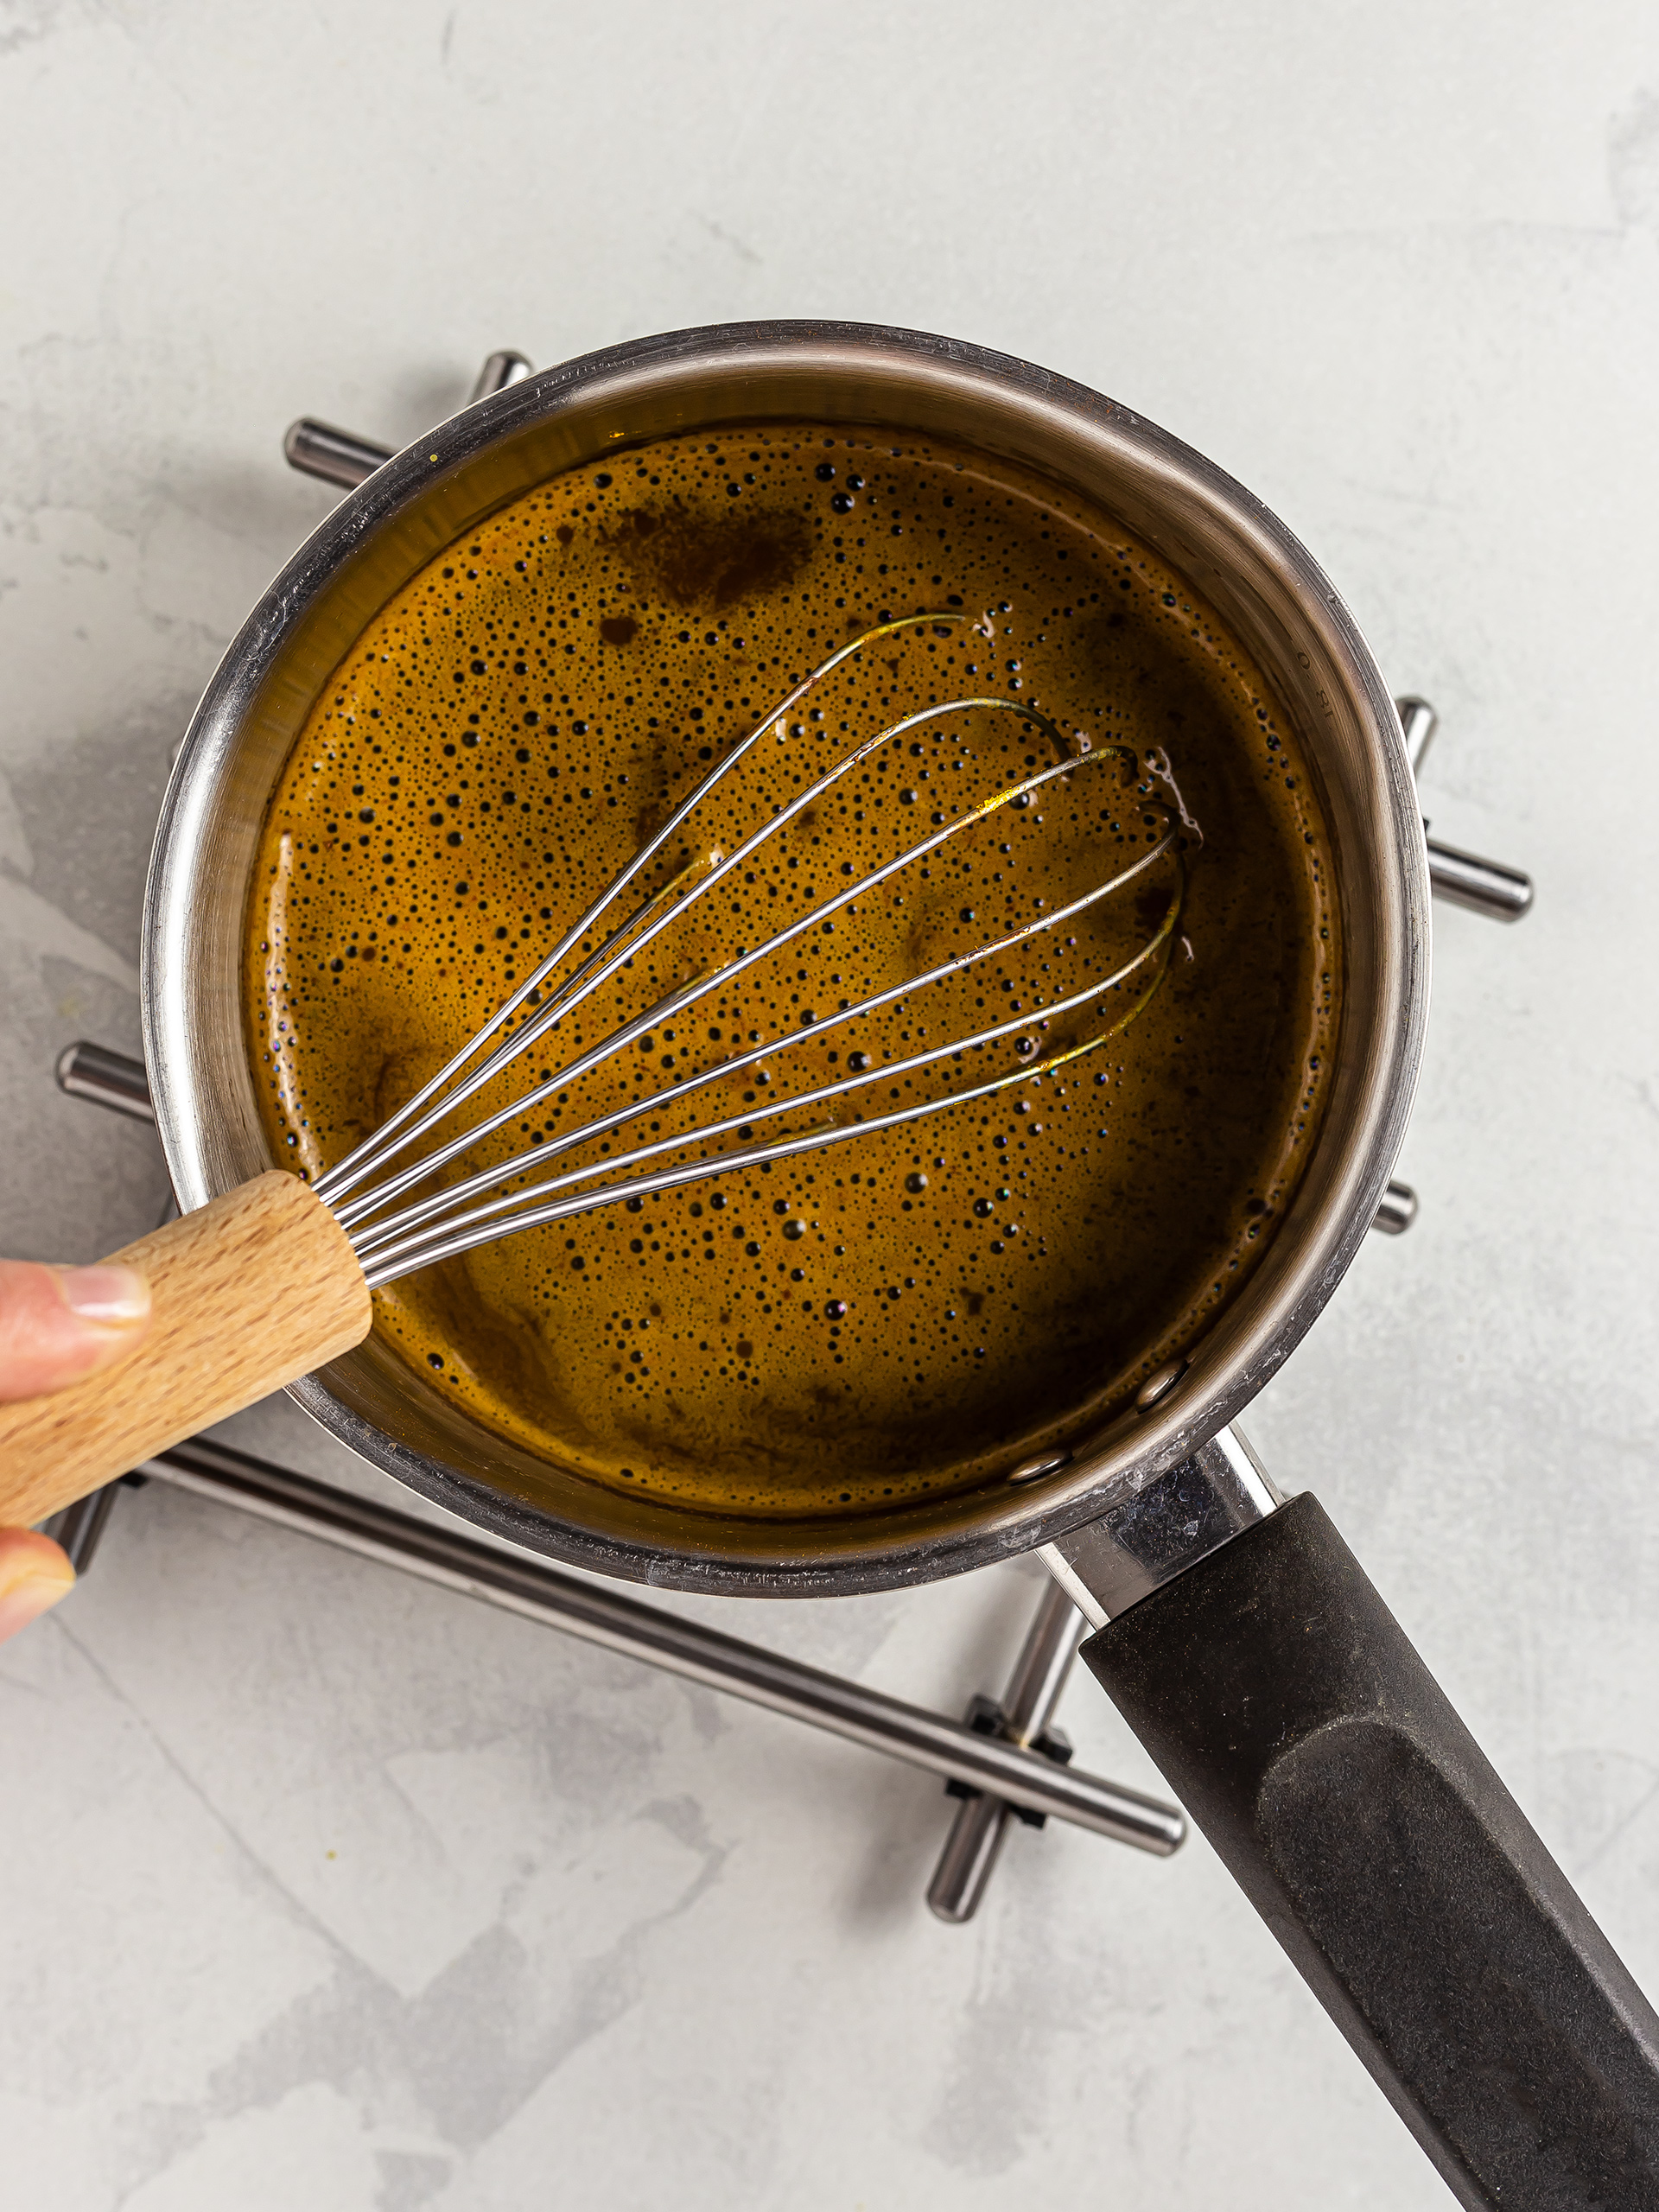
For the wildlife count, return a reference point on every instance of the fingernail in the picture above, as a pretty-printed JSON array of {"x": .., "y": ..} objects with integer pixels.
[
  {"x": 27, "y": 1595},
  {"x": 116, "y": 1297}
]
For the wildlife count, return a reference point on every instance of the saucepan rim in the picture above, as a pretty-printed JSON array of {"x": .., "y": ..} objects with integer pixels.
[{"x": 1340, "y": 681}]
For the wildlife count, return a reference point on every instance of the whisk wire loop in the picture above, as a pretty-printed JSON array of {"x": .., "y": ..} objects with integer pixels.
[
  {"x": 677, "y": 1002},
  {"x": 592, "y": 977},
  {"x": 483, "y": 1224},
  {"x": 394, "y": 1232},
  {"x": 377, "y": 1237}
]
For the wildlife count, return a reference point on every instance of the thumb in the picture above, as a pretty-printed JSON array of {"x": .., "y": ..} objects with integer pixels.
[{"x": 58, "y": 1324}]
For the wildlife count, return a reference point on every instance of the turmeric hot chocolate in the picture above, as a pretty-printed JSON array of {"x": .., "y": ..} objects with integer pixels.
[{"x": 907, "y": 1310}]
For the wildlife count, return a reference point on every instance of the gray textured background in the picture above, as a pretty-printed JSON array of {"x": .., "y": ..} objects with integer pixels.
[{"x": 320, "y": 1890}]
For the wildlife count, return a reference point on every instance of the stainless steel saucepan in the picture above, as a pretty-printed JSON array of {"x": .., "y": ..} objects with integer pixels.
[{"x": 1235, "y": 1630}]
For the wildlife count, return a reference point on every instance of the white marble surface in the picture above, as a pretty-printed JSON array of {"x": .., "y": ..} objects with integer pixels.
[{"x": 319, "y": 1889}]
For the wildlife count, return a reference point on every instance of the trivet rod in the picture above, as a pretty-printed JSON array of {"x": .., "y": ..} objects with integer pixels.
[
  {"x": 337, "y": 456},
  {"x": 1419, "y": 721},
  {"x": 111, "y": 1079},
  {"x": 603, "y": 1615},
  {"x": 500, "y": 369},
  {"x": 975, "y": 1842},
  {"x": 1395, "y": 1210},
  {"x": 1503, "y": 894},
  {"x": 341, "y": 457}
]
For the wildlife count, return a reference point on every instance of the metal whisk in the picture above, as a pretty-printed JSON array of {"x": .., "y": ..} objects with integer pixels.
[
  {"x": 393, "y": 1231},
  {"x": 272, "y": 1280}
]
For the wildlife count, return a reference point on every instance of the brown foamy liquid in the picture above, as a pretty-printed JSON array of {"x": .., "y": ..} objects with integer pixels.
[{"x": 908, "y": 1310}]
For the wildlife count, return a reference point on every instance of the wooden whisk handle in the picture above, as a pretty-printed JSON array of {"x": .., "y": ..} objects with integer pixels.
[{"x": 251, "y": 1291}]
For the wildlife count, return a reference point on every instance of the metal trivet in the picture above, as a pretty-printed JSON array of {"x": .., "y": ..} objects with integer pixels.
[{"x": 1004, "y": 1761}]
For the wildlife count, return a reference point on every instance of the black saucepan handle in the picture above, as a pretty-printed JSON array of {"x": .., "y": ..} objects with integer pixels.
[{"x": 1308, "y": 1741}]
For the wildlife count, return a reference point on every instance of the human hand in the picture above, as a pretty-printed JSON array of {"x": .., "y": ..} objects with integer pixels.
[{"x": 56, "y": 1324}]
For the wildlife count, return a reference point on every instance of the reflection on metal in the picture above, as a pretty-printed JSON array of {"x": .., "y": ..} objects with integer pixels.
[
  {"x": 111, "y": 1079},
  {"x": 1158, "y": 1385},
  {"x": 1503, "y": 894},
  {"x": 1396, "y": 1209},
  {"x": 319, "y": 449},
  {"x": 1032, "y": 1471},
  {"x": 1169, "y": 1524}
]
